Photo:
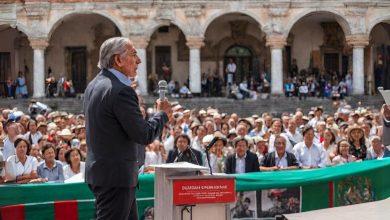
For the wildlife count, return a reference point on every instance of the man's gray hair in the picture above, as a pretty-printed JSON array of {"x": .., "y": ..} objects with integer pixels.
[{"x": 109, "y": 48}]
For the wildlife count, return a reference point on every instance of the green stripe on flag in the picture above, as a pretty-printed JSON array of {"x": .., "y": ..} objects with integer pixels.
[
  {"x": 315, "y": 196},
  {"x": 43, "y": 211},
  {"x": 86, "y": 209}
]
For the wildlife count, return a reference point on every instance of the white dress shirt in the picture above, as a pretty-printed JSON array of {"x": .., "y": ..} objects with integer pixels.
[
  {"x": 231, "y": 68},
  {"x": 68, "y": 172},
  {"x": 34, "y": 137},
  {"x": 14, "y": 167},
  {"x": 296, "y": 137},
  {"x": 281, "y": 162},
  {"x": 313, "y": 156},
  {"x": 9, "y": 148},
  {"x": 240, "y": 164},
  {"x": 153, "y": 158}
]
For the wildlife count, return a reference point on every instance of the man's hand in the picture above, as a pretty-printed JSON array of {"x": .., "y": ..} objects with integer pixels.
[
  {"x": 164, "y": 106},
  {"x": 386, "y": 112}
]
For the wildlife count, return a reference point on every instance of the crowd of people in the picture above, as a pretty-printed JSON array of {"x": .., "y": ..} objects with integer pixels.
[
  {"x": 41, "y": 148},
  {"x": 51, "y": 146}
]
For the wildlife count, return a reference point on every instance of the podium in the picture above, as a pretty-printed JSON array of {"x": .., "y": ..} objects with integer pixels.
[{"x": 181, "y": 193}]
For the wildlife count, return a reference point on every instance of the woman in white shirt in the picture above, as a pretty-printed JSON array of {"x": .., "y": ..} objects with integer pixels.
[
  {"x": 21, "y": 168},
  {"x": 329, "y": 145},
  {"x": 33, "y": 135},
  {"x": 343, "y": 153},
  {"x": 75, "y": 165}
]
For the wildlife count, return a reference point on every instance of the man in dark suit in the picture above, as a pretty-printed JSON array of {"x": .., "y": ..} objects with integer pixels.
[
  {"x": 243, "y": 161},
  {"x": 386, "y": 129},
  {"x": 280, "y": 159},
  {"x": 183, "y": 152},
  {"x": 116, "y": 129}
]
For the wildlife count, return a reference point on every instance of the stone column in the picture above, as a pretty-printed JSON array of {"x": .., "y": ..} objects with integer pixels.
[
  {"x": 140, "y": 44},
  {"x": 358, "y": 42},
  {"x": 195, "y": 43},
  {"x": 276, "y": 43},
  {"x": 39, "y": 45}
]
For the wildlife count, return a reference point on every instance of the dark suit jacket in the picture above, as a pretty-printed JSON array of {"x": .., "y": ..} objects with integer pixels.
[
  {"x": 186, "y": 156},
  {"x": 116, "y": 131},
  {"x": 251, "y": 163},
  {"x": 269, "y": 160}
]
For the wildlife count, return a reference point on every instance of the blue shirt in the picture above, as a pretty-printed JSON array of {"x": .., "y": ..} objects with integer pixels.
[
  {"x": 122, "y": 77},
  {"x": 56, "y": 174}
]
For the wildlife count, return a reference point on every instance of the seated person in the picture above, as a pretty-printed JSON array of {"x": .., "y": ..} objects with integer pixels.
[
  {"x": 22, "y": 168},
  {"x": 343, "y": 153},
  {"x": 50, "y": 169},
  {"x": 183, "y": 152},
  {"x": 185, "y": 92},
  {"x": 377, "y": 150},
  {"x": 309, "y": 154},
  {"x": 75, "y": 165},
  {"x": 280, "y": 159},
  {"x": 2, "y": 165},
  {"x": 243, "y": 161}
]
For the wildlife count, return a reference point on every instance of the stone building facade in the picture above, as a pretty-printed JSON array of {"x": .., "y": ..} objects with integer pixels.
[{"x": 195, "y": 37}]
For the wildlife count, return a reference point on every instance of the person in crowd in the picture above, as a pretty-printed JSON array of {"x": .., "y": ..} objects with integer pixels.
[
  {"x": 2, "y": 167},
  {"x": 21, "y": 167},
  {"x": 154, "y": 155},
  {"x": 183, "y": 152},
  {"x": 292, "y": 133},
  {"x": 357, "y": 142},
  {"x": 9, "y": 88},
  {"x": 60, "y": 155},
  {"x": 225, "y": 128},
  {"x": 3, "y": 135},
  {"x": 279, "y": 159},
  {"x": 318, "y": 111},
  {"x": 197, "y": 140},
  {"x": 267, "y": 122},
  {"x": 50, "y": 169},
  {"x": 74, "y": 164},
  {"x": 243, "y": 161},
  {"x": 230, "y": 72},
  {"x": 36, "y": 152},
  {"x": 309, "y": 154},
  {"x": 220, "y": 146},
  {"x": 261, "y": 148},
  {"x": 303, "y": 91},
  {"x": 185, "y": 92},
  {"x": 377, "y": 150},
  {"x": 258, "y": 128},
  {"x": 12, "y": 131},
  {"x": 33, "y": 135},
  {"x": 343, "y": 155},
  {"x": 21, "y": 87},
  {"x": 277, "y": 129},
  {"x": 329, "y": 145}
]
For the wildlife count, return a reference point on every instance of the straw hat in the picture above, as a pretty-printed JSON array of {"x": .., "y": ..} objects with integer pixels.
[{"x": 65, "y": 133}]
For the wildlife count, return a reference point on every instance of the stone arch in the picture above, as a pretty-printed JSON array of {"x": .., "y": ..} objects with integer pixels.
[
  {"x": 217, "y": 15},
  {"x": 22, "y": 28},
  {"x": 372, "y": 24},
  {"x": 56, "y": 23},
  {"x": 157, "y": 24},
  {"x": 338, "y": 16}
]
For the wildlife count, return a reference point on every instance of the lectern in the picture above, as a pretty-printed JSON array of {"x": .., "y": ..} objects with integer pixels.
[{"x": 181, "y": 192}]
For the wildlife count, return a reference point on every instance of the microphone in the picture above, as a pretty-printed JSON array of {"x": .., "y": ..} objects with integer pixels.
[
  {"x": 212, "y": 142},
  {"x": 162, "y": 89}
]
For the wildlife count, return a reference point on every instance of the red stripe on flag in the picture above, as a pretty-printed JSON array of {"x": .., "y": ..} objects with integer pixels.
[
  {"x": 13, "y": 212},
  {"x": 330, "y": 194},
  {"x": 66, "y": 210}
]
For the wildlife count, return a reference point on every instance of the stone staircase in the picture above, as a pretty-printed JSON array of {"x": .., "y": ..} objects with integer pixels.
[{"x": 274, "y": 105}]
